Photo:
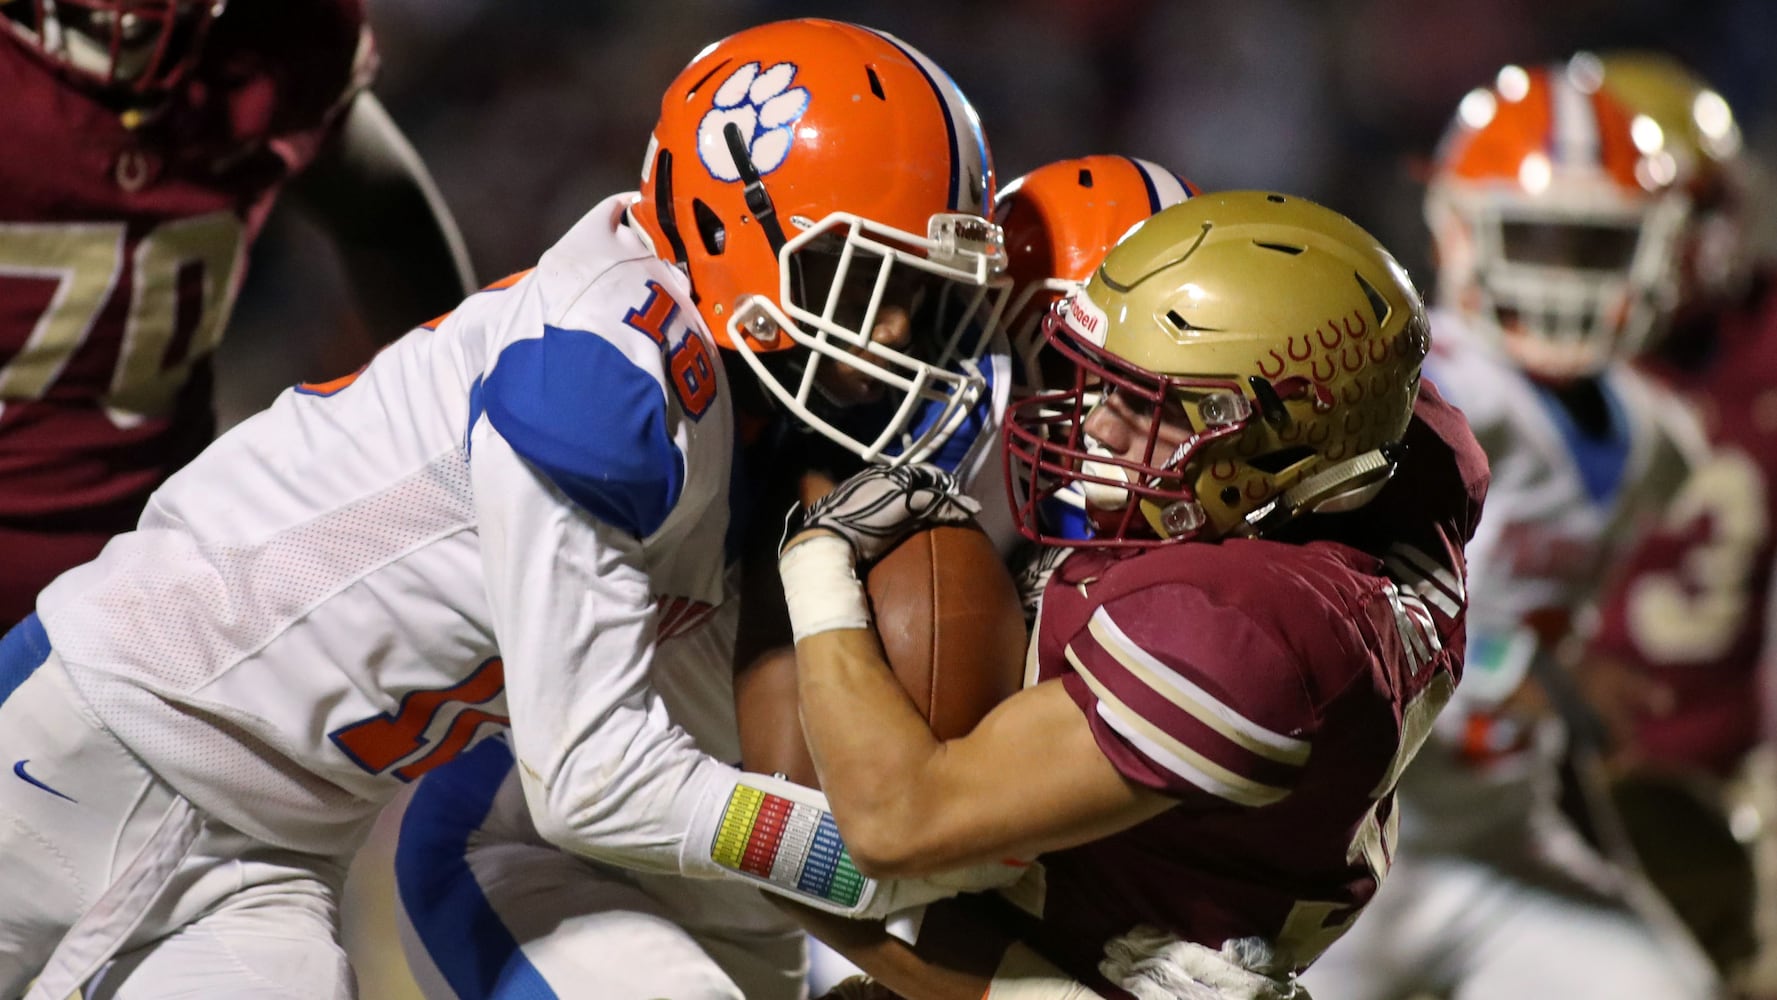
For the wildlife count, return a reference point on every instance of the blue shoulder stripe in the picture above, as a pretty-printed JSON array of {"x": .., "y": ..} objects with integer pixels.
[{"x": 590, "y": 421}]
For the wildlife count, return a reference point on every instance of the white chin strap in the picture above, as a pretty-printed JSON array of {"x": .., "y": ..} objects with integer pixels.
[{"x": 1101, "y": 495}]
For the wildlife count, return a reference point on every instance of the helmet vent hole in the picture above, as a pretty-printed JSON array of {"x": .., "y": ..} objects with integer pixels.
[
  {"x": 1378, "y": 304},
  {"x": 1271, "y": 463},
  {"x": 1085, "y": 178},
  {"x": 875, "y": 82},
  {"x": 1230, "y": 495},
  {"x": 1280, "y": 247},
  {"x": 1275, "y": 199},
  {"x": 709, "y": 227},
  {"x": 717, "y": 68},
  {"x": 1178, "y": 321}
]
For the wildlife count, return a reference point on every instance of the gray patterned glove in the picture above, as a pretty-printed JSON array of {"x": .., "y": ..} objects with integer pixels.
[
  {"x": 1032, "y": 565},
  {"x": 878, "y": 507}
]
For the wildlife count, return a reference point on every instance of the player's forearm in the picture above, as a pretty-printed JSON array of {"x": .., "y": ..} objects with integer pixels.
[{"x": 869, "y": 745}]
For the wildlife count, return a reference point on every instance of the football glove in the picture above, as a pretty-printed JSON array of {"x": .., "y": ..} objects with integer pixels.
[
  {"x": 878, "y": 507},
  {"x": 1032, "y": 565},
  {"x": 1152, "y": 964}
]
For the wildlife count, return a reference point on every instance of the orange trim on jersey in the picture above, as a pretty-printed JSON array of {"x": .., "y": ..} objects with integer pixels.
[
  {"x": 509, "y": 280},
  {"x": 332, "y": 385},
  {"x": 506, "y": 282}
]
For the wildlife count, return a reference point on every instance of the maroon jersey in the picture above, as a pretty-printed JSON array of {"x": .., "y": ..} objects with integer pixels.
[
  {"x": 1276, "y": 688},
  {"x": 121, "y": 249},
  {"x": 1691, "y": 604}
]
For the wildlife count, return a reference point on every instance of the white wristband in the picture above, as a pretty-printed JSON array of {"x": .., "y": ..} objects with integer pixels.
[{"x": 821, "y": 588}]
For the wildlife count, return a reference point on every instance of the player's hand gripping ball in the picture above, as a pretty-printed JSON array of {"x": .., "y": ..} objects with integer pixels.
[
  {"x": 952, "y": 630},
  {"x": 878, "y": 507}
]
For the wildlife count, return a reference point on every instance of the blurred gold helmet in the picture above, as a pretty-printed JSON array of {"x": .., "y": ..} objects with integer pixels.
[
  {"x": 1698, "y": 128},
  {"x": 1287, "y": 337}
]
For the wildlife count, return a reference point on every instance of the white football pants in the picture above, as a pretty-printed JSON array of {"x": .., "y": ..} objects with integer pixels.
[
  {"x": 111, "y": 880},
  {"x": 490, "y": 911},
  {"x": 1463, "y": 929}
]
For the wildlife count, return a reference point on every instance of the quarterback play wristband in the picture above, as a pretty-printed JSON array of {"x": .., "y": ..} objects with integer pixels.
[
  {"x": 821, "y": 588},
  {"x": 781, "y": 835}
]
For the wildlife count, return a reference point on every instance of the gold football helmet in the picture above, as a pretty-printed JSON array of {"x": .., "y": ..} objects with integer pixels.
[
  {"x": 1698, "y": 129},
  {"x": 1287, "y": 337}
]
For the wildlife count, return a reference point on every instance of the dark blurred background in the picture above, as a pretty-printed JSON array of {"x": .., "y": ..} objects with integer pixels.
[{"x": 529, "y": 111}]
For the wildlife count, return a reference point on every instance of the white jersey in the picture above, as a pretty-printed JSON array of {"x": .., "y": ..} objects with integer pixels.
[
  {"x": 494, "y": 522},
  {"x": 1560, "y": 504}
]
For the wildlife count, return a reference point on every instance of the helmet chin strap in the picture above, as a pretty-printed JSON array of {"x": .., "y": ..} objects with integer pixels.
[
  {"x": 758, "y": 200},
  {"x": 1339, "y": 487}
]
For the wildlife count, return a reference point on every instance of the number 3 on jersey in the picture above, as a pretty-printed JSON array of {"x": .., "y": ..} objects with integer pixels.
[{"x": 689, "y": 366}]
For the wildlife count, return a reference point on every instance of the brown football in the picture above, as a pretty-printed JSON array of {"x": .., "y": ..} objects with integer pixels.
[{"x": 951, "y": 627}]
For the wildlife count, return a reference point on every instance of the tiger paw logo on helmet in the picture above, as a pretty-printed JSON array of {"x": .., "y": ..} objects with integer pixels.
[{"x": 764, "y": 106}]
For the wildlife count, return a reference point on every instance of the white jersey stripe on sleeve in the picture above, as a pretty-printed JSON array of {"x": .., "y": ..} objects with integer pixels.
[
  {"x": 1432, "y": 570},
  {"x": 1169, "y": 753},
  {"x": 1410, "y": 578},
  {"x": 1201, "y": 705},
  {"x": 1418, "y": 631}
]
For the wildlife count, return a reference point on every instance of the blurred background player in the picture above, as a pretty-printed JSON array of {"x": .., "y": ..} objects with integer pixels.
[
  {"x": 489, "y": 907},
  {"x": 1227, "y": 682},
  {"x": 1679, "y": 659},
  {"x": 1556, "y": 224},
  {"x": 147, "y": 141}
]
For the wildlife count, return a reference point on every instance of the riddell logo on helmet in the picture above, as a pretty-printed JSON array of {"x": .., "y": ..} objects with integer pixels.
[
  {"x": 765, "y": 108},
  {"x": 1087, "y": 319}
]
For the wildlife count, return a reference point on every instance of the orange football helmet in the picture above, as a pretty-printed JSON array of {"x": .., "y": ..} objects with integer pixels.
[
  {"x": 140, "y": 45},
  {"x": 1556, "y": 220},
  {"x": 1059, "y": 222},
  {"x": 801, "y": 171}
]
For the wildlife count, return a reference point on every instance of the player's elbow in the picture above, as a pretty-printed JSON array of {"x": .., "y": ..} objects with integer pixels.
[
  {"x": 555, "y": 825},
  {"x": 880, "y": 856},
  {"x": 891, "y": 843},
  {"x": 559, "y": 819}
]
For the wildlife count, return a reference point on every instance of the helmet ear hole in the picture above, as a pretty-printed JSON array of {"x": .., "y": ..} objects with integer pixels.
[{"x": 709, "y": 228}]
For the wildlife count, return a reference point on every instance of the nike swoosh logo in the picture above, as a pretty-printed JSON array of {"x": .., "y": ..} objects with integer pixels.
[{"x": 19, "y": 769}]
